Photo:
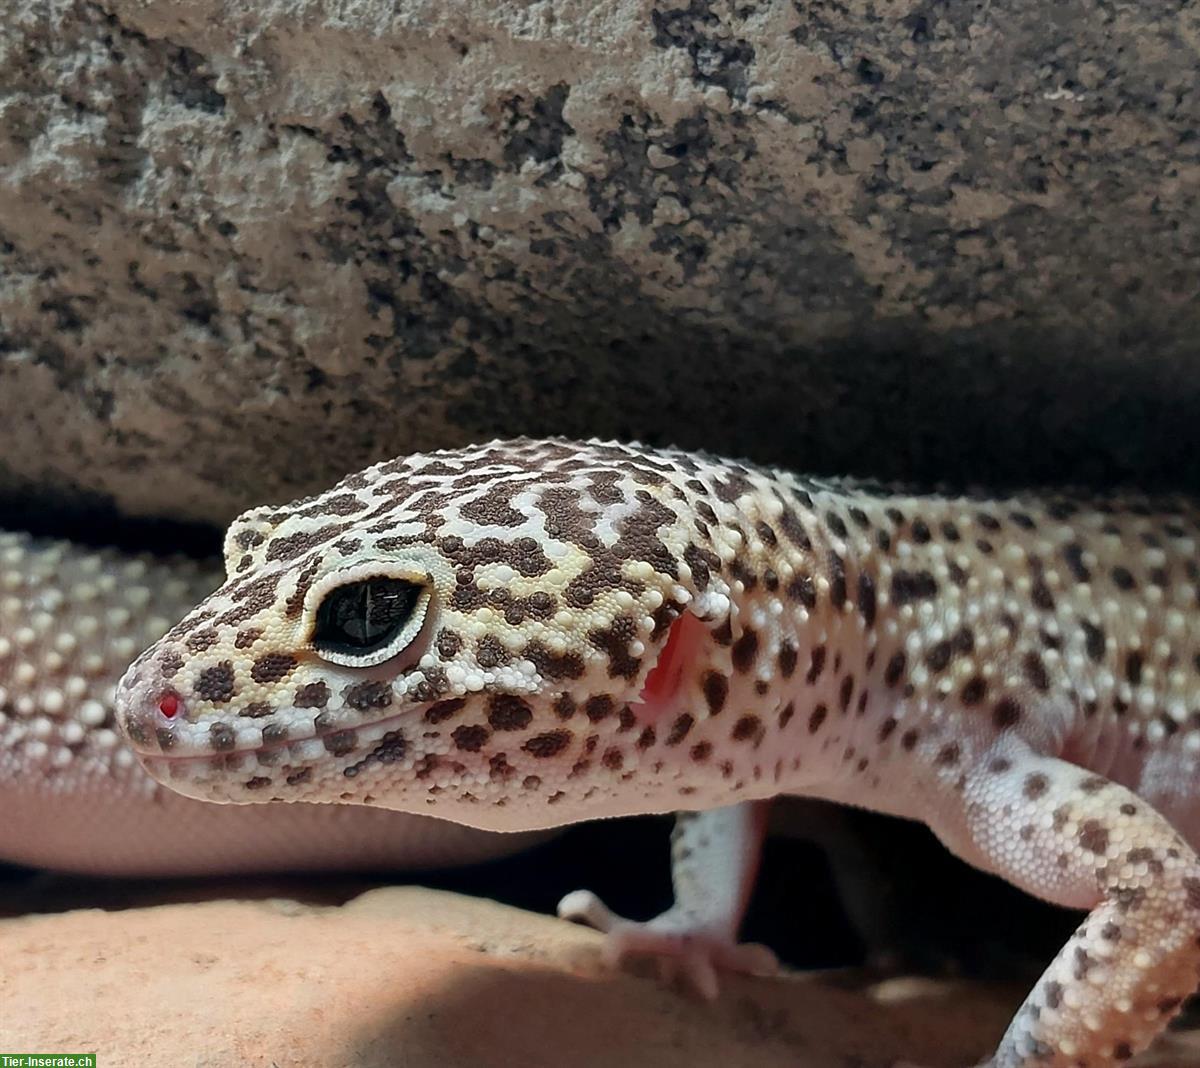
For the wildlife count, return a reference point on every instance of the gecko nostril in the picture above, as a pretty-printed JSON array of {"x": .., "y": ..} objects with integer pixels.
[{"x": 169, "y": 704}]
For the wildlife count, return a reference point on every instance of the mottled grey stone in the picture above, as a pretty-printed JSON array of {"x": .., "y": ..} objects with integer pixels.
[{"x": 249, "y": 245}]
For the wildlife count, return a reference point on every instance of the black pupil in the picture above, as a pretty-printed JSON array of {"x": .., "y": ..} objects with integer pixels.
[{"x": 364, "y": 616}]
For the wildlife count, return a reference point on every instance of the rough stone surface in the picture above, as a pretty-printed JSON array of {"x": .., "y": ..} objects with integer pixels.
[
  {"x": 427, "y": 979},
  {"x": 247, "y": 245},
  {"x": 423, "y": 978}
]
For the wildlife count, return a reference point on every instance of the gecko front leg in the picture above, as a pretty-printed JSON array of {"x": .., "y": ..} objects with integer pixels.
[
  {"x": 714, "y": 860},
  {"x": 1080, "y": 840}
]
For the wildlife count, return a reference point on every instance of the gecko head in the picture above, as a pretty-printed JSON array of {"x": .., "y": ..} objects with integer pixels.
[{"x": 493, "y": 635}]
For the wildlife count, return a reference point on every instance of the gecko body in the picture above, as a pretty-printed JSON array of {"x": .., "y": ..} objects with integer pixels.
[{"x": 528, "y": 633}]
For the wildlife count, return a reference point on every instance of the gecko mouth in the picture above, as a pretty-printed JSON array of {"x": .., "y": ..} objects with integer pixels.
[{"x": 335, "y": 740}]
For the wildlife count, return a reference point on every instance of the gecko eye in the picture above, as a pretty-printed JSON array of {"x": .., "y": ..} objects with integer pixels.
[{"x": 367, "y": 622}]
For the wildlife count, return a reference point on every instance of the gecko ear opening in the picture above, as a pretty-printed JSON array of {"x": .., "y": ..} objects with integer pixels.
[{"x": 683, "y": 642}]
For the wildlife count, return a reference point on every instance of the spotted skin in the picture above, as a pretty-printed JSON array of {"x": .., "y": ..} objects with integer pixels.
[{"x": 608, "y": 629}]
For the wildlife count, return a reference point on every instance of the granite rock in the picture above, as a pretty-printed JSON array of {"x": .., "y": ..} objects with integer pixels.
[{"x": 248, "y": 245}]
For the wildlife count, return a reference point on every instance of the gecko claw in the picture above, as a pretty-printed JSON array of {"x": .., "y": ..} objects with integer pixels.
[{"x": 686, "y": 953}]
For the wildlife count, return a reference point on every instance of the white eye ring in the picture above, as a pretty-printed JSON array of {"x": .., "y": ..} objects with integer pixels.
[{"x": 398, "y": 597}]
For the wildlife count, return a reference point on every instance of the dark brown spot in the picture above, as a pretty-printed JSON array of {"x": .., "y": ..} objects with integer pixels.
[
  {"x": 895, "y": 669},
  {"x": 1040, "y": 593},
  {"x": 614, "y": 640},
  {"x": 974, "y": 690},
  {"x": 716, "y": 690},
  {"x": 216, "y": 684},
  {"x": 222, "y": 737},
  {"x": 909, "y": 586},
  {"x": 845, "y": 693},
  {"x": 817, "y": 665},
  {"x": 507, "y": 712},
  {"x": 471, "y": 737},
  {"x": 837, "y": 580},
  {"x": 1035, "y": 671},
  {"x": 1073, "y": 554},
  {"x": 816, "y": 718},
  {"x": 1133, "y": 668},
  {"x": 1122, "y": 577},
  {"x": 1035, "y": 786},
  {"x": 766, "y": 533},
  {"x": 1093, "y": 784},
  {"x": 490, "y": 652},
  {"x": 374, "y": 693},
  {"x": 748, "y": 728},
  {"x": 443, "y": 710},
  {"x": 311, "y": 695},
  {"x": 599, "y": 707},
  {"x": 835, "y": 524},
  {"x": 803, "y": 589},
  {"x": 948, "y": 756},
  {"x": 788, "y": 655},
  {"x": 449, "y": 644},
  {"x": 1093, "y": 640},
  {"x": 744, "y": 650},
  {"x": 271, "y": 667},
  {"x": 679, "y": 729},
  {"x": 200, "y": 640},
  {"x": 552, "y": 665},
  {"x": 1007, "y": 713},
  {"x": 341, "y": 742},
  {"x": 1093, "y": 836},
  {"x": 938, "y": 657},
  {"x": 1191, "y": 886},
  {"x": 866, "y": 597},
  {"x": 547, "y": 745},
  {"x": 246, "y": 638}
]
